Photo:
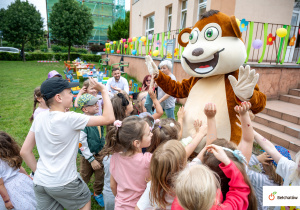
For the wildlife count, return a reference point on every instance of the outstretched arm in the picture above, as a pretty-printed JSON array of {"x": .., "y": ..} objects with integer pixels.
[
  {"x": 180, "y": 116},
  {"x": 267, "y": 146},
  {"x": 246, "y": 143},
  {"x": 159, "y": 109},
  {"x": 210, "y": 111}
]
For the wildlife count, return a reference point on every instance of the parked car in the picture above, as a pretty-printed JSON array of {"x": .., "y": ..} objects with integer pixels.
[{"x": 9, "y": 49}]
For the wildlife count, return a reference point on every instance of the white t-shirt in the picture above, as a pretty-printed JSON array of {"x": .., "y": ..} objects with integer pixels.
[
  {"x": 145, "y": 204},
  {"x": 285, "y": 168},
  {"x": 7, "y": 172},
  {"x": 57, "y": 136}
]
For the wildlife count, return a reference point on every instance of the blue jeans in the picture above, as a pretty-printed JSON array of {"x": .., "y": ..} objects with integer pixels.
[{"x": 170, "y": 112}]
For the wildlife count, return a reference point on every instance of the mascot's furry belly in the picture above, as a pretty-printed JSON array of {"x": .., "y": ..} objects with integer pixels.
[{"x": 207, "y": 90}]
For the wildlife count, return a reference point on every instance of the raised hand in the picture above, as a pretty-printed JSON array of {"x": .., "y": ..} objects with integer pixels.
[
  {"x": 181, "y": 113},
  {"x": 243, "y": 108},
  {"x": 210, "y": 110},
  {"x": 219, "y": 153},
  {"x": 96, "y": 85},
  {"x": 244, "y": 86},
  {"x": 264, "y": 158}
]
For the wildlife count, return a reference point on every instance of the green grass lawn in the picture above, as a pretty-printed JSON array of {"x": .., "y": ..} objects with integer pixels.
[{"x": 17, "y": 82}]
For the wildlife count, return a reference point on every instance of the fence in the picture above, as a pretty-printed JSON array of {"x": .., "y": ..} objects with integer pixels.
[{"x": 273, "y": 50}]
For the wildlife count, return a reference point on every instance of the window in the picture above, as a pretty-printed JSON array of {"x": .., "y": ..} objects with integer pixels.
[
  {"x": 169, "y": 19},
  {"x": 150, "y": 25},
  {"x": 183, "y": 14},
  {"x": 201, "y": 7}
]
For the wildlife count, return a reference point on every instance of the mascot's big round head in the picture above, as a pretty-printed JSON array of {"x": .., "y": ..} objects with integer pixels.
[{"x": 213, "y": 46}]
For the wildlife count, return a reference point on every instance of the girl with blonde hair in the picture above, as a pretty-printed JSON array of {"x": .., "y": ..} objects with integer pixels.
[{"x": 167, "y": 160}]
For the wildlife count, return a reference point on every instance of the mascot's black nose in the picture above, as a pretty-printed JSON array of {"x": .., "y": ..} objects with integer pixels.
[{"x": 197, "y": 51}]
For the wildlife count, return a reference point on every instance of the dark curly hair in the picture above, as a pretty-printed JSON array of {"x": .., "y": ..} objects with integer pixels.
[{"x": 10, "y": 151}]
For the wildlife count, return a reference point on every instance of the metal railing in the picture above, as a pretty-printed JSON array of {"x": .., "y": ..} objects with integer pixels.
[{"x": 276, "y": 50}]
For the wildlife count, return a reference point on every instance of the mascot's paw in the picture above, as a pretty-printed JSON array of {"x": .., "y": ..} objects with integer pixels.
[
  {"x": 244, "y": 86},
  {"x": 152, "y": 68}
]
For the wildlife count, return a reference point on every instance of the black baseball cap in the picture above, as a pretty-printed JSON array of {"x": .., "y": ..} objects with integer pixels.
[{"x": 52, "y": 86}]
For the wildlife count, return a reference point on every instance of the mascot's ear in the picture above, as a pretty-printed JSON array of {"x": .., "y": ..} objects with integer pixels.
[
  {"x": 235, "y": 27},
  {"x": 183, "y": 37}
]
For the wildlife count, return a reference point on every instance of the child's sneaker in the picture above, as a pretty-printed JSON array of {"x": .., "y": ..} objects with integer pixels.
[{"x": 99, "y": 199}]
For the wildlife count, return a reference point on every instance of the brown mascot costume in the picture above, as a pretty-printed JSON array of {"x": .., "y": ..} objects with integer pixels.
[{"x": 213, "y": 56}]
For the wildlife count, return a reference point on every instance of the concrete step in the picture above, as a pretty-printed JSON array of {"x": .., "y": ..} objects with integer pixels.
[
  {"x": 290, "y": 98},
  {"x": 283, "y": 110},
  {"x": 277, "y": 137},
  {"x": 294, "y": 92},
  {"x": 283, "y": 126}
]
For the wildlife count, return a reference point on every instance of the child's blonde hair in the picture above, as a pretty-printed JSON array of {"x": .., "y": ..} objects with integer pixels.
[
  {"x": 36, "y": 94},
  {"x": 197, "y": 187},
  {"x": 167, "y": 160},
  {"x": 164, "y": 130}
]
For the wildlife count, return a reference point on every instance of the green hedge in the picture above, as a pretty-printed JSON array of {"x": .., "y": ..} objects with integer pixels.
[{"x": 6, "y": 56}]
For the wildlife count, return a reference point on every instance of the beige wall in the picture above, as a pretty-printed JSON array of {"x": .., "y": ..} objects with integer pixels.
[
  {"x": 266, "y": 11},
  {"x": 144, "y": 8},
  {"x": 273, "y": 81}
]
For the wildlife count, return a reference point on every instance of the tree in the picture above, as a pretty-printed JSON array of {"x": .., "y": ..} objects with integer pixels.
[
  {"x": 70, "y": 23},
  {"x": 22, "y": 24},
  {"x": 120, "y": 29}
]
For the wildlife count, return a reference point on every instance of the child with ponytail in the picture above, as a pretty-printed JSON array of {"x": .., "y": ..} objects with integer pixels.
[
  {"x": 38, "y": 99},
  {"x": 129, "y": 167}
]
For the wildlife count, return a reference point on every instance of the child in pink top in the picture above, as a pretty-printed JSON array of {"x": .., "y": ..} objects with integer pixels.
[{"x": 129, "y": 167}]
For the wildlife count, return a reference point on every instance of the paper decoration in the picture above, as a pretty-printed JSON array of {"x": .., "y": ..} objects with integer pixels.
[{"x": 270, "y": 39}]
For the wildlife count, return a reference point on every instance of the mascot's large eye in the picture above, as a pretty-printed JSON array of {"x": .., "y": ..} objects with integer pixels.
[
  {"x": 193, "y": 37},
  {"x": 211, "y": 33}
]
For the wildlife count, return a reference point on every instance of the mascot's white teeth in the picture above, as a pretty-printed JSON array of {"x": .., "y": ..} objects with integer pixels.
[{"x": 204, "y": 66}]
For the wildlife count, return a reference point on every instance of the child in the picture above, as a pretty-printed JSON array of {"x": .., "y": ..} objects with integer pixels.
[
  {"x": 167, "y": 160},
  {"x": 129, "y": 167},
  {"x": 56, "y": 135},
  {"x": 53, "y": 73},
  {"x": 287, "y": 169},
  {"x": 87, "y": 88},
  {"x": 37, "y": 95},
  {"x": 122, "y": 105},
  {"x": 15, "y": 187},
  {"x": 108, "y": 196},
  {"x": 90, "y": 143},
  {"x": 139, "y": 106},
  {"x": 197, "y": 187}
]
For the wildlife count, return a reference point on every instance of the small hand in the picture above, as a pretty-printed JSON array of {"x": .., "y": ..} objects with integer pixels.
[
  {"x": 96, "y": 85},
  {"x": 95, "y": 165},
  {"x": 219, "y": 153},
  {"x": 152, "y": 94},
  {"x": 181, "y": 113},
  {"x": 264, "y": 158},
  {"x": 83, "y": 90},
  {"x": 243, "y": 108},
  {"x": 244, "y": 86},
  {"x": 210, "y": 110},
  {"x": 9, "y": 205},
  {"x": 201, "y": 154},
  {"x": 197, "y": 125}
]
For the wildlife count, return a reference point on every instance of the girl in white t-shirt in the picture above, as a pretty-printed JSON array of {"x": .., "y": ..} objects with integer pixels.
[
  {"x": 38, "y": 99},
  {"x": 16, "y": 188},
  {"x": 167, "y": 160}
]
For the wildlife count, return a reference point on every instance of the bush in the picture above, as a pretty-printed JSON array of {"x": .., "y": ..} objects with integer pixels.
[
  {"x": 56, "y": 48},
  {"x": 6, "y": 56},
  {"x": 82, "y": 51},
  {"x": 44, "y": 48}
]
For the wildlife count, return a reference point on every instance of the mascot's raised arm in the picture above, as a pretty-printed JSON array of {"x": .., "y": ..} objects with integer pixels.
[{"x": 213, "y": 56}]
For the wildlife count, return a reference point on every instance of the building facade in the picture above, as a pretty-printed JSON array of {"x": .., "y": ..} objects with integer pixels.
[{"x": 105, "y": 13}]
